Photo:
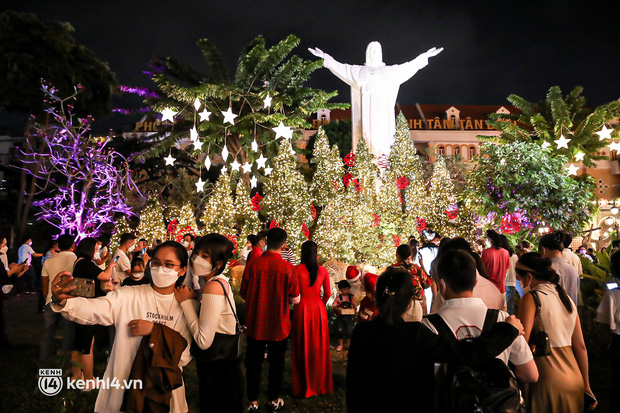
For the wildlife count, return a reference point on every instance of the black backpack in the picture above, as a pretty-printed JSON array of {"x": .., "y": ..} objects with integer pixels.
[{"x": 488, "y": 387}]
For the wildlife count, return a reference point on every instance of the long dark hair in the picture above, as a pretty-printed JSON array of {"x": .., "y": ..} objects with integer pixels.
[
  {"x": 542, "y": 271},
  {"x": 219, "y": 248},
  {"x": 394, "y": 293},
  {"x": 553, "y": 241},
  {"x": 461, "y": 243},
  {"x": 505, "y": 244},
  {"x": 86, "y": 248},
  {"x": 494, "y": 237},
  {"x": 309, "y": 259}
]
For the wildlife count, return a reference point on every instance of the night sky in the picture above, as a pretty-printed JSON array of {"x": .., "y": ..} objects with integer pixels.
[{"x": 492, "y": 48}]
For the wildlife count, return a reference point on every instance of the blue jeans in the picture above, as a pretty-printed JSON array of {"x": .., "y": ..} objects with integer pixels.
[
  {"x": 510, "y": 299},
  {"x": 51, "y": 321}
]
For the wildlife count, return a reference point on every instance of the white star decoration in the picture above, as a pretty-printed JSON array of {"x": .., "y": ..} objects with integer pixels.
[
  {"x": 604, "y": 133},
  {"x": 169, "y": 160},
  {"x": 197, "y": 104},
  {"x": 562, "y": 142},
  {"x": 268, "y": 170},
  {"x": 196, "y": 144},
  {"x": 229, "y": 116},
  {"x": 253, "y": 182},
  {"x": 193, "y": 134},
  {"x": 615, "y": 146},
  {"x": 224, "y": 169},
  {"x": 247, "y": 167},
  {"x": 545, "y": 145},
  {"x": 283, "y": 131},
  {"x": 267, "y": 101},
  {"x": 234, "y": 165},
  {"x": 200, "y": 185},
  {"x": 579, "y": 156},
  {"x": 167, "y": 114},
  {"x": 572, "y": 169},
  {"x": 204, "y": 115},
  {"x": 261, "y": 161},
  {"x": 254, "y": 146},
  {"x": 208, "y": 162},
  {"x": 225, "y": 153}
]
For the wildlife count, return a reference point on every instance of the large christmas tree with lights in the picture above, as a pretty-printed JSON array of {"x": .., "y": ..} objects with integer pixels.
[
  {"x": 327, "y": 179},
  {"x": 152, "y": 225},
  {"x": 219, "y": 215},
  {"x": 121, "y": 226},
  {"x": 287, "y": 201},
  {"x": 246, "y": 212}
]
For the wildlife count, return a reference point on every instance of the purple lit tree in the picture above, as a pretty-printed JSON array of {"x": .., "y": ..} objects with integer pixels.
[{"x": 83, "y": 179}]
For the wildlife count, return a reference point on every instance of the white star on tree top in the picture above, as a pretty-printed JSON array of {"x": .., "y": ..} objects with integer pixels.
[
  {"x": 267, "y": 101},
  {"x": 253, "y": 182},
  {"x": 204, "y": 115},
  {"x": 247, "y": 167},
  {"x": 169, "y": 160},
  {"x": 572, "y": 169},
  {"x": 261, "y": 161},
  {"x": 614, "y": 146},
  {"x": 229, "y": 116},
  {"x": 562, "y": 142},
  {"x": 200, "y": 185},
  {"x": 234, "y": 165},
  {"x": 167, "y": 114},
  {"x": 604, "y": 133},
  {"x": 283, "y": 131},
  {"x": 579, "y": 156}
]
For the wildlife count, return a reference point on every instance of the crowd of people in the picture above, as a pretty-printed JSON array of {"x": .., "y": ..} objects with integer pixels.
[{"x": 405, "y": 332}]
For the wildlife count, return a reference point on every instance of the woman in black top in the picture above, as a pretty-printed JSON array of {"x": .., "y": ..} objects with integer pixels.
[
  {"x": 85, "y": 267},
  {"x": 391, "y": 362}
]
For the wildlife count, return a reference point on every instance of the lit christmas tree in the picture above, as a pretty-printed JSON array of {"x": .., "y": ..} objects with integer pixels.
[
  {"x": 366, "y": 171},
  {"x": 246, "y": 216},
  {"x": 152, "y": 225},
  {"x": 121, "y": 226},
  {"x": 287, "y": 201},
  {"x": 219, "y": 215},
  {"x": 327, "y": 179}
]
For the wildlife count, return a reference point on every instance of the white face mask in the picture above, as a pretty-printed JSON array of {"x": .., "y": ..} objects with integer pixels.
[
  {"x": 163, "y": 279},
  {"x": 137, "y": 275},
  {"x": 201, "y": 267},
  {"x": 133, "y": 247},
  {"x": 487, "y": 243},
  {"x": 186, "y": 244},
  {"x": 29, "y": 242},
  {"x": 4, "y": 249}
]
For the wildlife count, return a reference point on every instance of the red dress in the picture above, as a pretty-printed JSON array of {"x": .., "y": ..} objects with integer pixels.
[{"x": 311, "y": 360}]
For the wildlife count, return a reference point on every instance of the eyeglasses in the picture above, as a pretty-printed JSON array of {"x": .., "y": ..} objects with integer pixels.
[{"x": 166, "y": 266}]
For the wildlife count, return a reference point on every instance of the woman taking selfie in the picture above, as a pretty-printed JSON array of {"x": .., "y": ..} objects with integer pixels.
[
  {"x": 136, "y": 312},
  {"x": 220, "y": 378}
]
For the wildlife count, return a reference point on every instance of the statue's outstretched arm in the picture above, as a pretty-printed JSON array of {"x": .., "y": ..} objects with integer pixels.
[
  {"x": 341, "y": 70},
  {"x": 406, "y": 70}
]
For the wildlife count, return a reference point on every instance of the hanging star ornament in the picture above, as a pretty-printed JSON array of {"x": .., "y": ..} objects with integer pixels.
[
  {"x": 224, "y": 169},
  {"x": 261, "y": 161},
  {"x": 196, "y": 144},
  {"x": 225, "y": 153},
  {"x": 247, "y": 167},
  {"x": 200, "y": 185},
  {"x": 268, "y": 170},
  {"x": 562, "y": 142},
  {"x": 193, "y": 134},
  {"x": 579, "y": 156},
  {"x": 229, "y": 116},
  {"x": 167, "y": 114},
  {"x": 234, "y": 165},
  {"x": 208, "y": 162},
  {"x": 615, "y": 146},
  {"x": 254, "y": 146},
  {"x": 204, "y": 115},
  {"x": 197, "y": 104},
  {"x": 169, "y": 160},
  {"x": 253, "y": 182},
  {"x": 572, "y": 169},
  {"x": 283, "y": 131},
  {"x": 604, "y": 133},
  {"x": 267, "y": 101},
  {"x": 545, "y": 145}
]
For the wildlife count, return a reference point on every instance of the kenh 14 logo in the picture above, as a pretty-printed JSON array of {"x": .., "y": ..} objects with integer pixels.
[{"x": 50, "y": 381}]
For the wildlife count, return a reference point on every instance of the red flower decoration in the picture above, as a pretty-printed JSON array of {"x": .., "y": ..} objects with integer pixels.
[
  {"x": 452, "y": 212},
  {"x": 255, "y": 201},
  {"x": 396, "y": 239},
  {"x": 510, "y": 224},
  {"x": 402, "y": 182},
  {"x": 172, "y": 226},
  {"x": 347, "y": 179},
  {"x": 400, "y": 198},
  {"x": 274, "y": 224},
  {"x": 349, "y": 159},
  {"x": 305, "y": 230},
  {"x": 358, "y": 186},
  {"x": 185, "y": 230},
  {"x": 336, "y": 187},
  {"x": 313, "y": 211},
  {"x": 421, "y": 224},
  {"x": 376, "y": 219}
]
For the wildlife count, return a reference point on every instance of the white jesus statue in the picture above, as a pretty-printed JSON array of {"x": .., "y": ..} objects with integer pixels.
[{"x": 374, "y": 88}]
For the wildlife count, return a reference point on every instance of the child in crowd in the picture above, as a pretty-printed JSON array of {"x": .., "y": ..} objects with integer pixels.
[
  {"x": 344, "y": 307},
  {"x": 368, "y": 308},
  {"x": 354, "y": 278},
  {"x": 137, "y": 273}
]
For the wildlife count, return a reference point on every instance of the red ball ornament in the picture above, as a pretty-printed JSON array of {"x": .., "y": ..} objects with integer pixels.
[
  {"x": 305, "y": 230},
  {"x": 376, "y": 219},
  {"x": 402, "y": 182},
  {"x": 233, "y": 239},
  {"x": 396, "y": 239},
  {"x": 347, "y": 179},
  {"x": 452, "y": 212},
  {"x": 358, "y": 186},
  {"x": 349, "y": 159},
  {"x": 313, "y": 212},
  {"x": 510, "y": 224},
  {"x": 274, "y": 224},
  {"x": 172, "y": 226},
  {"x": 255, "y": 201},
  {"x": 185, "y": 230},
  {"x": 421, "y": 225}
]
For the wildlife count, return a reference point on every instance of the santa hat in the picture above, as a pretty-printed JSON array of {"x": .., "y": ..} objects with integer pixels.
[
  {"x": 370, "y": 282},
  {"x": 352, "y": 273}
]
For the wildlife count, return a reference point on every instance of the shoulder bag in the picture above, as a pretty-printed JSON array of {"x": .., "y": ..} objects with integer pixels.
[{"x": 539, "y": 339}]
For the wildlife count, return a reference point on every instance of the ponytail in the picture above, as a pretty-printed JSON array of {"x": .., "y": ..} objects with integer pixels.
[
  {"x": 542, "y": 271},
  {"x": 394, "y": 293}
]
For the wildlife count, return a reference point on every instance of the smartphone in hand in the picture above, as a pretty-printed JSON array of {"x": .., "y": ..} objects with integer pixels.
[{"x": 116, "y": 258}]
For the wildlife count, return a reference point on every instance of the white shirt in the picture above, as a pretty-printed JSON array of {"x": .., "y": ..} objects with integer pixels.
[
  {"x": 25, "y": 253},
  {"x": 572, "y": 259},
  {"x": 558, "y": 323},
  {"x": 465, "y": 317},
  {"x": 428, "y": 255},
  {"x": 123, "y": 264},
  {"x": 511, "y": 274},
  {"x": 484, "y": 289},
  {"x": 569, "y": 278},
  {"x": 609, "y": 310},
  {"x": 5, "y": 261},
  {"x": 118, "y": 308},
  {"x": 63, "y": 261}
]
